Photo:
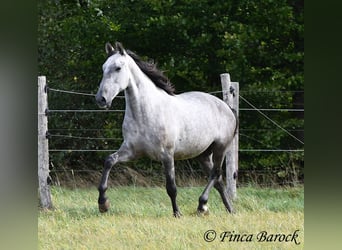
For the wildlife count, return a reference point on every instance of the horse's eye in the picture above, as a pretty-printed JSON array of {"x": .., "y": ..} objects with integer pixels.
[{"x": 117, "y": 69}]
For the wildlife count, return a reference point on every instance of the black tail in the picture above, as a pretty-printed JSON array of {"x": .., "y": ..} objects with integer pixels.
[{"x": 237, "y": 120}]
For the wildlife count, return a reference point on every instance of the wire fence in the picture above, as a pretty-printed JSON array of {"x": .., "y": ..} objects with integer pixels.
[
  {"x": 71, "y": 133},
  {"x": 253, "y": 108}
]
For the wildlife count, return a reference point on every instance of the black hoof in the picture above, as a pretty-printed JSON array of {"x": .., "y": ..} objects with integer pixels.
[
  {"x": 231, "y": 211},
  {"x": 104, "y": 206},
  {"x": 177, "y": 214}
]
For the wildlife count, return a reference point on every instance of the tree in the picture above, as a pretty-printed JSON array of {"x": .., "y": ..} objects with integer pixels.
[{"x": 260, "y": 43}]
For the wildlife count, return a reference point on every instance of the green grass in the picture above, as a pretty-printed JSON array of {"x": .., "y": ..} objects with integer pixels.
[{"x": 141, "y": 218}]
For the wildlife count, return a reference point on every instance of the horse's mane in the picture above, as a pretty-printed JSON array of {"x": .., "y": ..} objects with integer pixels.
[{"x": 156, "y": 75}]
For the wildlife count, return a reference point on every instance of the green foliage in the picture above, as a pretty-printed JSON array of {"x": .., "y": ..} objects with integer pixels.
[{"x": 260, "y": 43}]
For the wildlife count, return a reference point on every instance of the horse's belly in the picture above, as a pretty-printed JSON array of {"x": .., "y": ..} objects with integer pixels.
[
  {"x": 187, "y": 148},
  {"x": 183, "y": 155}
]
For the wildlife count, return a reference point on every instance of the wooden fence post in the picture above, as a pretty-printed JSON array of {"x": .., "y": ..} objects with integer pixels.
[
  {"x": 231, "y": 97},
  {"x": 43, "y": 146}
]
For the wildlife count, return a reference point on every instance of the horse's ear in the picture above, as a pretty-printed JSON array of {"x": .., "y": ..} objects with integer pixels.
[
  {"x": 109, "y": 49},
  {"x": 120, "y": 48}
]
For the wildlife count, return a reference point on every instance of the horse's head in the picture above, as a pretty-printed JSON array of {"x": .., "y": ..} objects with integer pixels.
[{"x": 115, "y": 75}]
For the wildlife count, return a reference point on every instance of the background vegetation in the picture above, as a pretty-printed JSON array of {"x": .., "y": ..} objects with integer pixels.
[{"x": 260, "y": 43}]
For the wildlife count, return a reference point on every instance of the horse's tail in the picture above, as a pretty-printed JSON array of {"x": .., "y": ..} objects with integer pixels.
[
  {"x": 235, "y": 174},
  {"x": 236, "y": 119}
]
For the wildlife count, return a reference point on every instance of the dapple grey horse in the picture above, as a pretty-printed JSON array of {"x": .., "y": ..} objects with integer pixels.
[{"x": 164, "y": 126}]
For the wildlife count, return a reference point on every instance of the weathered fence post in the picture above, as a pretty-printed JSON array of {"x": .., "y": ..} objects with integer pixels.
[
  {"x": 43, "y": 146},
  {"x": 231, "y": 97}
]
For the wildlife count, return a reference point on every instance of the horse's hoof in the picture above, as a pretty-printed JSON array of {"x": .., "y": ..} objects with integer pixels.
[
  {"x": 177, "y": 214},
  {"x": 203, "y": 211},
  {"x": 104, "y": 207},
  {"x": 231, "y": 211}
]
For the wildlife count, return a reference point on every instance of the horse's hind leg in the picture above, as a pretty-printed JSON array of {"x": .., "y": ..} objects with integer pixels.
[
  {"x": 214, "y": 166},
  {"x": 223, "y": 192},
  {"x": 218, "y": 158},
  {"x": 205, "y": 159},
  {"x": 122, "y": 155}
]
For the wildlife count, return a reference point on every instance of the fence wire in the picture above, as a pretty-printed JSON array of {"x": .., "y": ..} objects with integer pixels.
[
  {"x": 69, "y": 134},
  {"x": 253, "y": 108}
]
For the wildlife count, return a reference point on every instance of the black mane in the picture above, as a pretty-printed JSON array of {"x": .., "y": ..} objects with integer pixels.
[{"x": 156, "y": 76}]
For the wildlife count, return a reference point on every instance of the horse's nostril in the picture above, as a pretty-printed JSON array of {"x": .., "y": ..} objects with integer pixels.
[{"x": 101, "y": 101}]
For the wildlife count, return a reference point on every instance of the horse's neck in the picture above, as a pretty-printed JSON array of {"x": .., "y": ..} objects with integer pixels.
[{"x": 141, "y": 95}]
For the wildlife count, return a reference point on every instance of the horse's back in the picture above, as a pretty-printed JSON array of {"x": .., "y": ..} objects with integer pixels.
[
  {"x": 203, "y": 119},
  {"x": 207, "y": 108}
]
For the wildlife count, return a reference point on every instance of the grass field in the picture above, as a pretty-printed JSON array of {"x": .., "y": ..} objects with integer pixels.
[{"x": 141, "y": 218}]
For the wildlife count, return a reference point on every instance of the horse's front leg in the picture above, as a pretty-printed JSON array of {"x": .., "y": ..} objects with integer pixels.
[
  {"x": 122, "y": 155},
  {"x": 171, "y": 187}
]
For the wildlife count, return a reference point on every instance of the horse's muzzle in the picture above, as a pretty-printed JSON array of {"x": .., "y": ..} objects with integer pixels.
[{"x": 102, "y": 102}]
